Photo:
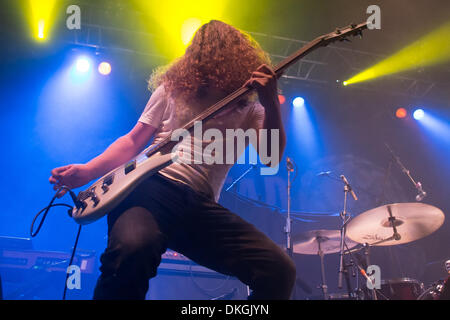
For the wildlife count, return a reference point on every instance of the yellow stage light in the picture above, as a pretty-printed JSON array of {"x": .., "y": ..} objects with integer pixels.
[
  {"x": 431, "y": 49},
  {"x": 41, "y": 17},
  {"x": 189, "y": 28},
  {"x": 178, "y": 20}
]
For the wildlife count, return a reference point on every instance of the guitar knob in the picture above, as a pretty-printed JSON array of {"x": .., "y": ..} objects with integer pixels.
[
  {"x": 105, "y": 188},
  {"x": 95, "y": 199}
]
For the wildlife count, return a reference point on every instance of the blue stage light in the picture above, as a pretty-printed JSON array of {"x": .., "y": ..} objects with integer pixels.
[
  {"x": 83, "y": 64},
  {"x": 298, "y": 102},
  {"x": 418, "y": 114}
]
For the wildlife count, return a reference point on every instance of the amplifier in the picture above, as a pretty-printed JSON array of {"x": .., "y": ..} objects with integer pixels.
[{"x": 45, "y": 260}]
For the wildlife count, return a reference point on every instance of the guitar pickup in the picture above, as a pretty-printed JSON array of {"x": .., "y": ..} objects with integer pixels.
[
  {"x": 130, "y": 166},
  {"x": 108, "y": 180}
]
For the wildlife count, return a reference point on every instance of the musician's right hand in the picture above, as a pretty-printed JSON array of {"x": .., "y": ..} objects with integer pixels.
[{"x": 71, "y": 176}]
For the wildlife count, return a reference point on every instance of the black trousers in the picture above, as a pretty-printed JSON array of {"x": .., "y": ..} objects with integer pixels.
[{"x": 161, "y": 213}]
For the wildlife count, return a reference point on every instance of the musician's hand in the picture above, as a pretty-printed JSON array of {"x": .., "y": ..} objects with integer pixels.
[
  {"x": 264, "y": 80},
  {"x": 71, "y": 176}
]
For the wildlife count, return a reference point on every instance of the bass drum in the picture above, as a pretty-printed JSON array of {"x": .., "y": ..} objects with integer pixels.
[{"x": 400, "y": 289}]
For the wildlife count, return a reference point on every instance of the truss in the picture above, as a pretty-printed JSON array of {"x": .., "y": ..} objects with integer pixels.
[{"x": 316, "y": 69}]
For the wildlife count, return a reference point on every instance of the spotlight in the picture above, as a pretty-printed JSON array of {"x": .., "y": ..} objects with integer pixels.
[
  {"x": 41, "y": 25},
  {"x": 104, "y": 68},
  {"x": 83, "y": 65},
  {"x": 281, "y": 98},
  {"x": 298, "y": 102},
  {"x": 418, "y": 114},
  {"x": 401, "y": 113},
  {"x": 189, "y": 28}
]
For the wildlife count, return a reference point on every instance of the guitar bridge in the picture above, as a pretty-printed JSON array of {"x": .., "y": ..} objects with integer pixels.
[{"x": 85, "y": 195}]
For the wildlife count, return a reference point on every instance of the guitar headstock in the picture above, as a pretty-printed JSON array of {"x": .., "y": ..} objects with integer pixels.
[{"x": 342, "y": 34}]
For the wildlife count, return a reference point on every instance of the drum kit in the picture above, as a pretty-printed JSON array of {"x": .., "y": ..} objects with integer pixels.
[{"x": 387, "y": 225}]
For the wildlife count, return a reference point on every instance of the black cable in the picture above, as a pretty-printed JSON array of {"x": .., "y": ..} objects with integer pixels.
[
  {"x": 46, "y": 210},
  {"x": 71, "y": 260}
]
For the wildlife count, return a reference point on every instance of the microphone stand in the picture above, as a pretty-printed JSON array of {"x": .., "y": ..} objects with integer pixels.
[
  {"x": 240, "y": 178},
  {"x": 422, "y": 194},
  {"x": 228, "y": 189},
  {"x": 287, "y": 227},
  {"x": 290, "y": 165},
  {"x": 345, "y": 219}
]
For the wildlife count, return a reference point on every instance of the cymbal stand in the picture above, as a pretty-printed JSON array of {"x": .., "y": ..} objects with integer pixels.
[
  {"x": 323, "y": 286},
  {"x": 367, "y": 258}
]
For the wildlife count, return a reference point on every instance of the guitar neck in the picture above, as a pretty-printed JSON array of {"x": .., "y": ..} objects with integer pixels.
[{"x": 279, "y": 69}]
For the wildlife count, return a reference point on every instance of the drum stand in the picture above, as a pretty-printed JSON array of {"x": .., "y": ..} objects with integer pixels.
[
  {"x": 367, "y": 258},
  {"x": 323, "y": 286}
]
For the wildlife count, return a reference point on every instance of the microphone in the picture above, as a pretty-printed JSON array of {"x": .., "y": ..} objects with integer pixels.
[
  {"x": 323, "y": 173},
  {"x": 349, "y": 187}
]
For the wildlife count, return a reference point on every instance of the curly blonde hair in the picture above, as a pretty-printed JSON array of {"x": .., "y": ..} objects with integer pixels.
[{"x": 219, "y": 57}]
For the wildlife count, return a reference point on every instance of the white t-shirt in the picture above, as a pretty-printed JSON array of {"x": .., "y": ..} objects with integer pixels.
[{"x": 162, "y": 113}]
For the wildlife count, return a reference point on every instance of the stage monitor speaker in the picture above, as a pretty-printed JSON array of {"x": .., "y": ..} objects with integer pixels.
[{"x": 195, "y": 286}]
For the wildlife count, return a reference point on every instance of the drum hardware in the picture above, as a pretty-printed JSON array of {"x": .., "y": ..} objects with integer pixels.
[
  {"x": 421, "y": 193},
  {"x": 290, "y": 167},
  {"x": 439, "y": 290},
  {"x": 433, "y": 292},
  {"x": 401, "y": 289},
  {"x": 345, "y": 220},
  {"x": 346, "y": 217},
  {"x": 361, "y": 264},
  {"x": 412, "y": 221},
  {"x": 320, "y": 242},
  {"x": 395, "y": 224}
]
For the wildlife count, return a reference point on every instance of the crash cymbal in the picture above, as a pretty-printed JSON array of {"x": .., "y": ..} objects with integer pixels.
[
  {"x": 412, "y": 221},
  {"x": 308, "y": 242}
]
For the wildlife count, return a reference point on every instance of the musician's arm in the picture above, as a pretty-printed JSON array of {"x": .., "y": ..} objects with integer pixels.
[
  {"x": 121, "y": 150},
  {"x": 268, "y": 117},
  {"x": 273, "y": 121}
]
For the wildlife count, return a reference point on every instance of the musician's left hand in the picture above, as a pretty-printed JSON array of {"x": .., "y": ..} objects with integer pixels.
[{"x": 264, "y": 80}]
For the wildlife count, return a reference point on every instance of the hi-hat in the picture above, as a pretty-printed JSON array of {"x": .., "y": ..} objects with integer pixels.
[
  {"x": 412, "y": 221},
  {"x": 329, "y": 241}
]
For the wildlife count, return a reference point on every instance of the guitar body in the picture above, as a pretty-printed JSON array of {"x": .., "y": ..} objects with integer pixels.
[{"x": 111, "y": 189}]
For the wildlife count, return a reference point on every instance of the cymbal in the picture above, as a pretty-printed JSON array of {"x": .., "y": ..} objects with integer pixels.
[
  {"x": 413, "y": 221},
  {"x": 330, "y": 241}
]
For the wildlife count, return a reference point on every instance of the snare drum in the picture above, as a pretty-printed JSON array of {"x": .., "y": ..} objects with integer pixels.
[{"x": 400, "y": 289}]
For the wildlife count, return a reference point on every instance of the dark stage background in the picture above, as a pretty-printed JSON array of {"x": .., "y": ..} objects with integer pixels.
[{"x": 46, "y": 121}]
